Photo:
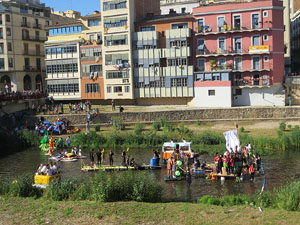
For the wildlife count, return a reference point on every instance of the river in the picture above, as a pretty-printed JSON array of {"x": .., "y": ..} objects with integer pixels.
[{"x": 280, "y": 169}]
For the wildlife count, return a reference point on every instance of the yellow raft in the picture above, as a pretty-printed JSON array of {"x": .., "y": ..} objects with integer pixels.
[{"x": 45, "y": 180}]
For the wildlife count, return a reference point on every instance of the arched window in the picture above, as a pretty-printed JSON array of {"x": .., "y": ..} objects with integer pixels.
[
  {"x": 38, "y": 82},
  {"x": 5, "y": 83},
  {"x": 27, "y": 83}
]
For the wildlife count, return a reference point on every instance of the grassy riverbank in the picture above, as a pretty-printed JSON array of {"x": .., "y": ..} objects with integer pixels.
[{"x": 29, "y": 211}]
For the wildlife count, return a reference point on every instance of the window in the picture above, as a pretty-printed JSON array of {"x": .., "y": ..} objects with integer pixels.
[
  {"x": 0, "y": 18},
  {"x": 38, "y": 63},
  {"x": 255, "y": 62},
  {"x": 221, "y": 44},
  {"x": 10, "y": 62},
  {"x": 201, "y": 65},
  {"x": 222, "y": 62},
  {"x": 27, "y": 62},
  {"x": 200, "y": 46},
  {"x": 211, "y": 92},
  {"x": 221, "y": 23},
  {"x": 127, "y": 89},
  {"x": 63, "y": 88},
  {"x": 117, "y": 89},
  {"x": 148, "y": 28},
  {"x": 255, "y": 40},
  {"x": 266, "y": 37},
  {"x": 237, "y": 22},
  {"x": 200, "y": 25},
  {"x": 1, "y": 48},
  {"x": 255, "y": 21},
  {"x": 117, "y": 75},
  {"x": 7, "y": 18},
  {"x": 238, "y": 63},
  {"x": 111, "y": 5},
  {"x": 179, "y": 26},
  {"x": 183, "y": 10},
  {"x": 116, "y": 40},
  {"x": 9, "y": 46},
  {"x": 108, "y": 89},
  {"x": 92, "y": 37},
  {"x": 92, "y": 88},
  {"x": 115, "y": 22},
  {"x": 2, "y": 64},
  {"x": 171, "y": 11},
  {"x": 266, "y": 58},
  {"x": 238, "y": 91},
  {"x": 93, "y": 23},
  {"x": 237, "y": 44},
  {"x": 265, "y": 13},
  {"x": 8, "y": 31},
  {"x": 179, "y": 82}
]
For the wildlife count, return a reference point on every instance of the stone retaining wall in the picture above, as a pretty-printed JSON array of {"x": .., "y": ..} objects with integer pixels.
[{"x": 233, "y": 114}]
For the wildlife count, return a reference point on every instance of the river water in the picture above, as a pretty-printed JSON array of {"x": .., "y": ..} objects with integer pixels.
[{"x": 280, "y": 169}]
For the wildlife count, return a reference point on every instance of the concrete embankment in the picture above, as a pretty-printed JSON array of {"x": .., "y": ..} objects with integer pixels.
[{"x": 216, "y": 114}]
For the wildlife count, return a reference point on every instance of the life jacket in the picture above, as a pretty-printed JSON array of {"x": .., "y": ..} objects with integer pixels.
[
  {"x": 216, "y": 159},
  {"x": 251, "y": 169}
]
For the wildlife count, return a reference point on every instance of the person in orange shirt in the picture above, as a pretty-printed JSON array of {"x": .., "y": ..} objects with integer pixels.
[
  {"x": 252, "y": 172},
  {"x": 169, "y": 166}
]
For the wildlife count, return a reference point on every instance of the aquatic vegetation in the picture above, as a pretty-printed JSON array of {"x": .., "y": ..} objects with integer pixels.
[
  {"x": 230, "y": 200},
  {"x": 156, "y": 126},
  {"x": 282, "y": 126}
]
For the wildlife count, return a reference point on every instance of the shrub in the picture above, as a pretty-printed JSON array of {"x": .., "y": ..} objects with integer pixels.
[
  {"x": 288, "y": 197},
  {"x": 22, "y": 187},
  {"x": 138, "y": 128},
  {"x": 282, "y": 126},
  {"x": 97, "y": 127},
  {"x": 295, "y": 136},
  {"x": 198, "y": 122},
  {"x": 156, "y": 126},
  {"x": 297, "y": 127},
  {"x": 62, "y": 190},
  {"x": 209, "y": 138},
  {"x": 289, "y": 126},
  {"x": 182, "y": 130},
  {"x": 118, "y": 124},
  {"x": 120, "y": 187},
  {"x": 163, "y": 122},
  {"x": 242, "y": 129}
]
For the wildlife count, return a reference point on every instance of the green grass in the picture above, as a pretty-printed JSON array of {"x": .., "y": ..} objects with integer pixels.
[{"x": 16, "y": 211}]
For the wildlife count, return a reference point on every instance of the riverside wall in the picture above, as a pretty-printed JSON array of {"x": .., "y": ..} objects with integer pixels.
[{"x": 216, "y": 114}]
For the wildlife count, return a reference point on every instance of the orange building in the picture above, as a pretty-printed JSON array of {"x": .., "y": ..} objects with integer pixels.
[{"x": 92, "y": 84}]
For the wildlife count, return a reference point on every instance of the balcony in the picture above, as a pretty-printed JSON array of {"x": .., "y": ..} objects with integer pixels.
[
  {"x": 33, "y": 69},
  {"x": 88, "y": 74},
  {"x": 25, "y": 24},
  {"x": 208, "y": 30},
  {"x": 33, "y": 53},
  {"x": 292, "y": 80},
  {"x": 37, "y": 26},
  {"x": 34, "y": 38},
  {"x": 257, "y": 50},
  {"x": 262, "y": 81}
]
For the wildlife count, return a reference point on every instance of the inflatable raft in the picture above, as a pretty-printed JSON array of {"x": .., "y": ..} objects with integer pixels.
[{"x": 42, "y": 181}]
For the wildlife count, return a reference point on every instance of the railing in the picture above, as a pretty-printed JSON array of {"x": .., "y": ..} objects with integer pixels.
[
  {"x": 230, "y": 51},
  {"x": 37, "y": 26},
  {"x": 204, "y": 30},
  {"x": 33, "y": 53},
  {"x": 34, "y": 38},
  {"x": 253, "y": 82},
  {"x": 25, "y": 24},
  {"x": 5, "y": 97},
  {"x": 88, "y": 74},
  {"x": 292, "y": 80}
]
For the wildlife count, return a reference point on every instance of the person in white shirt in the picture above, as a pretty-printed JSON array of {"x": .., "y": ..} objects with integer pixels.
[
  {"x": 43, "y": 170},
  {"x": 49, "y": 171}
]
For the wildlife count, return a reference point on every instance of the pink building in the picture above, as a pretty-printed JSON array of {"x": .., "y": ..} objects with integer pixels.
[{"x": 239, "y": 54}]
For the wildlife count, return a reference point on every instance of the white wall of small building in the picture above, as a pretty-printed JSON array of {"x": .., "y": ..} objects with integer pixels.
[
  {"x": 189, "y": 7},
  {"x": 222, "y": 97},
  {"x": 273, "y": 96}
]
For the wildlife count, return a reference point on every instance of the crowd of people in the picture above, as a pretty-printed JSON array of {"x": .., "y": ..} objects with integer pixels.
[
  {"x": 238, "y": 162},
  {"x": 59, "y": 127},
  {"x": 48, "y": 169},
  {"x": 13, "y": 96}
]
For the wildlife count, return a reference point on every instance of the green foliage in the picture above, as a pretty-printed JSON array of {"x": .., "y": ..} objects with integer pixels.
[
  {"x": 282, "y": 126},
  {"x": 230, "y": 200},
  {"x": 97, "y": 127},
  {"x": 295, "y": 137},
  {"x": 208, "y": 137},
  {"x": 163, "y": 122},
  {"x": 198, "y": 122},
  {"x": 289, "y": 126},
  {"x": 20, "y": 187},
  {"x": 138, "y": 128},
  {"x": 120, "y": 187},
  {"x": 183, "y": 130},
  {"x": 297, "y": 127},
  {"x": 242, "y": 129},
  {"x": 288, "y": 197},
  {"x": 118, "y": 124},
  {"x": 89, "y": 140},
  {"x": 156, "y": 126},
  {"x": 61, "y": 190}
]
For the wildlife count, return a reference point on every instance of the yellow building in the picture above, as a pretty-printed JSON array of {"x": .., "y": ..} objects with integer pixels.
[
  {"x": 64, "y": 56},
  {"x": 22, "y": 37}
]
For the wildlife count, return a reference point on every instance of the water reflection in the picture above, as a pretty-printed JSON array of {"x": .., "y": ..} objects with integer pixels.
[{"x": 279, "y": 169}]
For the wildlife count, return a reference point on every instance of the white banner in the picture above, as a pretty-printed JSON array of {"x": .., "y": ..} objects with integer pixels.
[{"x": 232, "y": 140}]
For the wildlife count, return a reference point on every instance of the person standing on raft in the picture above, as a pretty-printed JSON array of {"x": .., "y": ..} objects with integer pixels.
[{"x": 111, "y": 160}]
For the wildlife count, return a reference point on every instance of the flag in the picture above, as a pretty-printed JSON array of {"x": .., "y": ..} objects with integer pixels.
[
  {"x": 51, "y": 144},
  {"x": 232, "y": 140}
]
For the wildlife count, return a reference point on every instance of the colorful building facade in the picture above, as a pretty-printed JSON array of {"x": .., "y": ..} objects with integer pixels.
[
  {"x": 163, "y": 62},
  {"x": 239, "y": 51}
]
